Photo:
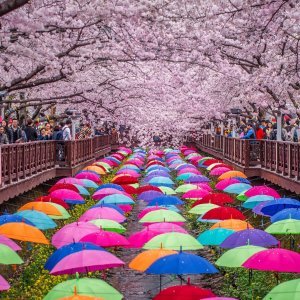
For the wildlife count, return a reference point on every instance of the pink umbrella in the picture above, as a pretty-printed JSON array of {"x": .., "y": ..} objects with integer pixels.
[
  {"x": 138, "y": 239},
  {"x": 128, "y": 150},
  {"x": 129, "y": 172},
  {"x": 66, "y": 195},
  {"x": 262, "y": 190},
  {"x": 98, "y": 195},
  {"x": 274, "y": 260},
  {"x": 195, "y": 194},
  {"x": 72, "y": 233},
  {"x": 204, "y": 186},
  {"x": 4, "y": 285},
  {"x": 89, "y": 175},
  {"x": 148, "y": 209},
  {"x": 125, "y": 207},
  {"x": 8, "y": 242},
  {"x": 86, "y": 261},
  {"x": 219, "y": 171},
  {"x": 71, "y": 180},
  {"x": 165, "y": 227},
  {"x": 189, "y": 170},
  {"x": 223, "y": 184},
  {"x": 102, "y": 213},
  {"x": 105, "y": 239},
  {"x": 107, "y": 161}
]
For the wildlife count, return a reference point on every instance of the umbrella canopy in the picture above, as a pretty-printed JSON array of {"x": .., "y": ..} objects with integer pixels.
[
  {"x": 288, "y": 213},
  {"x": 84, "y": 286},
  {"x": 167, "y": 190},
  {"x": 232, "y": 224},
  {"x": 215, "y": 198},
  {"x": 288, "y": 226},
  {"x": 271, "y": 260},
  {"x": 102, "y": 213},
  {"x": 219, "y": 171},
  {"x": 8, "y": 218},
  {"x": 117, "y": 199},
  {"x": 232, "y": 174},
  {"x": 105, "y": 239},
  {"x": 8, "y": 242},
  {"x": 23, "y": 232},
  {"x": 68, "y": 196},
  {"x": 72, "y": 232},
  {"x": 67, "y": 186},
  {"x": 270, "y": 208},
  {"x": 185, "y": 188},
  {"x": 146, "y": 188},
  {"x": 145, "y": 259},
  {"x": 149, "y": 209},
  {"x": 96, "y": 169},
  {"x": 140, "y": 238},
  {"x": 237, "y": 188},
  {"x": 4, "y": 285},
  {"x": 124, "y": 179},
  {"x": 165, "y": 227},
  {"x": 99, "y": 194},
  {"x": 197, "y": 179},
  {"x": 180, "y": 292},
  {"x": 286, "y": 290},
  {"x": 86, "y": 261},
  {"x": 214, "y": 237},
  {"x": 38, "y": 219},
  {"x": 235, "y": 257},
  {"x": 245, "y": 237},
  {"x": 202, "y": 208},
  {"x": 161, "y": 181},
  {"x": 262, "y": 190},
  {"x": 48, "y": 198},
  {"x": 162, "y": 215},
  {"x": 113, "y": 206},
  {"x": 66, "y": 250},
  {"x": 255, "y": 200},
  {"x": 223, "y": 213},
  {"x": 78, "y": 297},
  {"x": 108, "y": 225},
  {"x": 221, "y": 185},
  {"x": 195, "y": 194},
  {"x": 181, "y": 264},
  {"x": 108, "y": 186},
  {"x": 173, "y": 241},
  {"x": 165, "y": 200},
  {"x": 89, "y": 175},
  {"x": 8, "y": 256},
  {"x": 149, "y": 195},
  {"x": 48, "y": 208}
]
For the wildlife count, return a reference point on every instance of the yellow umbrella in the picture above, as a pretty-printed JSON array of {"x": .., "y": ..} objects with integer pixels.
[
  {"x": 23, "y": 232},
  {"x": 46, "y": 207},
  {"x": 96, "y": 169},
  {"x": 231, "y": 174}
]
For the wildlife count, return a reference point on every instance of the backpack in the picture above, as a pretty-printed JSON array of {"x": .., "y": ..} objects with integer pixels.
[{"x": 58, "y": 136}]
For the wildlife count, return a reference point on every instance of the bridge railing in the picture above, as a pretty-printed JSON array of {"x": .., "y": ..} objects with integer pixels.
[
  {"x": 280, "y": 157},
  {"x": 19, "y": 161}
]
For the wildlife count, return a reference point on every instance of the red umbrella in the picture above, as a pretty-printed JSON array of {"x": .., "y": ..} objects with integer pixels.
[
  {"x": 53, "y": 200},
  {"x": 66, "y": 186},
  {"x": 179, "y": 292},
  {"x": 124, "y": 179},
  {"x": 210, "y": 161},
  {"x": 215, "y": 198},
  {"x": 146, "y": 188},
  {"x": 129, "y": 189},
  {"x": 154, "y": 162},
  {"x": 223, "y": 213}
]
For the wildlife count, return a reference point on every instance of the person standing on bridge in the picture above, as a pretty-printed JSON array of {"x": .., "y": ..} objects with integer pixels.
[
  {"x": 67, "y": 131},
  {"x": 30, "y": 131},
  {"x": 3, "y": 136}
]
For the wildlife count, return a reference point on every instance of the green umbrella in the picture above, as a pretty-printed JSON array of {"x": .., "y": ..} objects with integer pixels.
[
  {"x": 134, "y": 185},
  {"x": 84, "y": 286},
  {"x": 235, "y": 257},
  {"x": 167, "y": 190},
  {"x": 287, "y": 290},
  {"x": 173, "y": 241},
  {"x": 186, "y": 187},
  {"x": 288, "y": 226},
  {"x": 9, "y": 256},
  {"x": 62, "y": 210},
  {"x": 162, "y": 215},
  {"x": 202, "y": 208},
  {"x": 242, "y": 196},
  {"x": 109, "y": 225}
]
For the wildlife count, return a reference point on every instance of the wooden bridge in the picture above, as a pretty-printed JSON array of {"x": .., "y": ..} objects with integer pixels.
[
  {"x": 24, "y": 166},
  {"x": 277, "y": 162}
]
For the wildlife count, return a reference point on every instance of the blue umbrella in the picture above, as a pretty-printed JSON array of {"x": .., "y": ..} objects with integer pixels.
[
  {"x": 165, "y": 200},
  {"x": 67, "y": 250},
  {"x": 149, "y": 177},
  {"x": 196, "y": 179},
  {"x": 242, "y": 180},
  {"x": 113, "y": 159},
  {"x": 270, "y": 208},
  {"x": 116, "y": 199},
  {"x": 116, "y": 207},
  {"x": 81, "y": 190},
  {"x": 289, "y": 213},
  {"x": 170, "y": 207},
  {"x": 89, "y": 183},
  {"x": 151, "y": 168},
  {"x": 158, "y": 173},
  {"x": 39, "y": 219},
  {"x": 255, "y": 200},
  {"x": 184, "y": 176},
  {"x": 110, "y": 186},
  {"x": 214, "y": 237},
  {"x": 181, "y": 263},
  {"x": 8, "y": 218},
  {"x": 237, "y": 188},
  {"x": 161, "y": 181},
  {"x": 130, "y": 167}
]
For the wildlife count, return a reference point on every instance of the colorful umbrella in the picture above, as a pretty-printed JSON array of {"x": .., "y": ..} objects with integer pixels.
[
  {"x": 68, "y": 196},
  {"x": 286, "y": 290},
  {"x": 89, "y": 175},
  {"x": 232, "y": 224},
  {"x": 116, "y": 199},
  {"x": 223, "y": 213},
  {"x": 147, "y": 188},
  {"x": 84, "y": 286},
  {"x": 95, "y": 169},
  {"x": 165, "y": 227},
  {"x": 48, "y": 208},
  {"x": 235, "y": 257},
  {"x": 255, "y": 200},
  {"x": 181, "y": 264},
  {"x": 165, "y": 200},
  {"x": 162, "y": 215},
  {"x": 8, "y": 218},
  {"x": 52, "y": 200},
  {"x": 167, "y": 190},
  {"x": 197, "y": 179},
  {"x": 195, "y": 194},
  {"x": 221, "y": 185},
  {"x": 4, "y": 285},
  {"x": 272, "y": 207},
  {"x": 149, "y": 195},
  {"x": 99, "y": 194},
  {"x": 102, "y": 213},
  {"x": 124, "y": 179},
  {"x": 202, "y": 208},
  {"x": 173, "y": 241},
  {"x": 254, "y": 237},
  {"x": 8, "y": 242},
  {"x": 232, "y": 174},
  {"x": 288, "y": 213},
  {"x": 140, "y": 238},
  {"x": 215, "y": 198},
  {"x": 9, "y": 256},
  {"x": 262, "y": 190},
  {"x": 219, "y": 171},
  {"x": 109, "y": 225},
  {"x": 214, "y": 237},
  {"x": 185, "y": 188},
  {"x": 237, "y": 188},
  {"x": 110, "y": 186},
  {"x": 161, "y": 181},
  {"x": 23, "y": 232},
  {"x": 288, "y": 226},
  {"x": 272, "y": 260}
]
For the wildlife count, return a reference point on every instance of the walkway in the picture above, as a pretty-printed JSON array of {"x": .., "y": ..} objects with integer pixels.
[{"x": 25, "y": 166}]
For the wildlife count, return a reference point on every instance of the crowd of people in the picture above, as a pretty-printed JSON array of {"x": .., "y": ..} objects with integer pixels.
[
  {"x": 264, "y": 129},
  {"x": 11, "y": 132}
]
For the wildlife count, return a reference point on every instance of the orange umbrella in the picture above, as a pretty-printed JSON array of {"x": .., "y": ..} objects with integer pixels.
[
  {"x": 23, "y": 232},
  {"x": 80, "y": 297},
  {"x": 143, "y": 260},
  {"x": 231, "y": 174},
  {"x": 46, "y": 207},
  {"x": 96, "y": 169},
  {"x": 233, "y": 224}
]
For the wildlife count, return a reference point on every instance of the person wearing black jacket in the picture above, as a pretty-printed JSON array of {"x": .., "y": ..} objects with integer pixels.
[
  {"x": 30, "y": 131},
  {"x": 15, "y": 132}
]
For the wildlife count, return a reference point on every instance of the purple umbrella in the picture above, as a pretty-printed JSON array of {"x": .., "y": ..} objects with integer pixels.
[
  {"x": 149, "y": 195},
  {"x": 257, "y": 208},
  {"x": 8, "y": 242},
  {"x": 86, "y": 261},
  {"x": 102, "y": 213},
  {"x": 197, "y": 179},
  {"x": 72, "y": 233},
  {"x": 253, "y": 237}
]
